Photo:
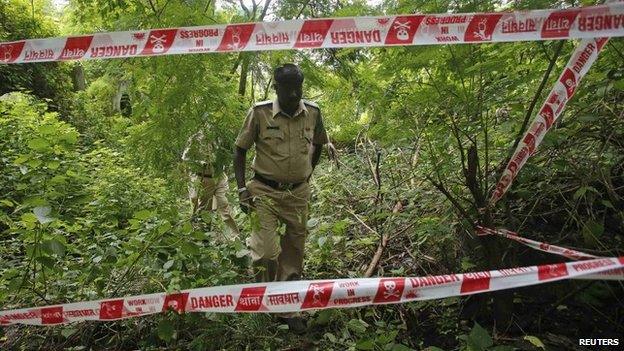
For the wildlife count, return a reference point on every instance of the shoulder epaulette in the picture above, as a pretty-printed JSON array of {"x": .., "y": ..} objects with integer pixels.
[
  {"x": 263, "y": 103},
  {"x": 310, "y": 103}
]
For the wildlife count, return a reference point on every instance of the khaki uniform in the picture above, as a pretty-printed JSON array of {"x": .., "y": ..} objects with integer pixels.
[
  {"x": 207, "y": 191},
  {"x": 283, "y": 154}
]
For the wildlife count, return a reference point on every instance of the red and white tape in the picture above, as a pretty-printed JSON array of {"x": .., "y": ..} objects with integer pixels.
[
  {"x": 295, "y": 296},
  {"x": 419, "y": 29},
  {"x": 578, "y": 65},
  {"x": 537, "y": 245},
  {"x": 617, "y": 274},
  {"x": 588, "y": 22}
]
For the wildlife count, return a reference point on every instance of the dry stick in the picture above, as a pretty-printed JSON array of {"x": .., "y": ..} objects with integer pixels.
[
  {"x": 378, "y": 176},
  {"x": 382, "y": 245},
  {"x": 362, "y": 222}
]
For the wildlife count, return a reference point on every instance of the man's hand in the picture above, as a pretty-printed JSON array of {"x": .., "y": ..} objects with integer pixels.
[
  {"x": 246, "y": 201},
  {"x": 332, "y": 153}
]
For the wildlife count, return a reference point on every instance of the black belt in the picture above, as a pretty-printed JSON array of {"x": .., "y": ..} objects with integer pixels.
[
  {"x": 276, "y": 185},
  {"x": 204, "y": 175}
]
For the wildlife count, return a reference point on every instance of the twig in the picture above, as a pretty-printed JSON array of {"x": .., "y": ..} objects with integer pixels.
[
  {"x": 378, "y": 176},
  {"x": 536, "y": 97},
  {"x": 382, "y": 245},
  {"x": 302, "y": 8}
]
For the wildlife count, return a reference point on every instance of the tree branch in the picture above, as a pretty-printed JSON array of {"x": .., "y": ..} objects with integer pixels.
[
  {"x": 451, "y": 198},
  {"x": 537, "y": 95},
  {"x": 302, "y": 8},
  {"x": 264, "y": 10},
  {"x": 372, "y": 266},
  {"x": 244, "y": 8}
]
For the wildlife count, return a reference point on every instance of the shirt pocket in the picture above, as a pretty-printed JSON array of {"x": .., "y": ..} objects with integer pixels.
[
  {"x": 273, "y": 137},
  {"x": 306, "y": 136}
]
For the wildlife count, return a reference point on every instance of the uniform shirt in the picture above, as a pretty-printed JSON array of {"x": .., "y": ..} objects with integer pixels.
[
  {"x": 199, "y": 155},
  {"x": 283, "y": 142}
]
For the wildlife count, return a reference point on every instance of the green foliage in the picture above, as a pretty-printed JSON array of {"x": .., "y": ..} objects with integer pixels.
[
  {"x": 94, "y": 116},
  {"x": 94, "y": 204},
  {"x": 22, "y": 19}
]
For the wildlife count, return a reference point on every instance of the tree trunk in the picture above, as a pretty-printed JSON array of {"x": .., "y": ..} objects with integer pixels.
[
  {"x": 78, "y": 78},
  {"x": 242, "y": 83},
  {"x": 494, "y": 253}
]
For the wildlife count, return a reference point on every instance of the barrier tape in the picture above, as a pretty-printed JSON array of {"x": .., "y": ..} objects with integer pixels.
[
  {"x": 348, "y": 32},
  {"x": 293, "y": 296},
  {"x": 587, "y": 22},
  {"x": 617, "y": 274},
  {"x": 537, "y": 245},
  {"x": 563, "y": 90}
]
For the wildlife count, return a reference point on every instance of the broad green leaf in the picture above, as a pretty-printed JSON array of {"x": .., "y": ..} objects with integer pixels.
[
  {"x": 47, "y": 261},
  {"x": 535, "y": 341},
  {"x": 608, "y": 204},
  {"x": 143, "y": 214},
  {"x": 53, "y": 164},
  {"x": 70, "y": 137},
  {"x": 33, "y": 163},
  {"x": 592, "y": 232},
  {"x": 35, "y": 201},
  {"x": 6, "y": 203},
  {"x": 165, "y": 330},
  {"x": 58, "y": 179},
  {"x": 323, "y": 317},
  {"x": 366, "y": 344},
  {"x": 329, "y": 336},
  {"x": 168, "y": 265},
  {"x": 38, "y": 144},
  {"x": 43, "y": 214},
  {"x": 189, "y": 248},
  {"x": 21, "y": 159},
  {"x": 54, "y": 246},
  {"x": 187, "y": 227},
  {"x": 479, "y": 339},
  {"x": 163, "y": 228},
  {"x": 357, "y": 325},
  {"x": 47, "y": 129},
  {"x": 67, "y": 332},
  {"x": 29, "y": 218},
  {"x": 322, "y": 240},
  {"x": 312, "y": 222}
]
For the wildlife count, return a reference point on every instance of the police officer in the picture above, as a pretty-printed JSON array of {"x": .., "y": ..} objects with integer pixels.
[
  {"x": 207, "y": 188},
  {"x": 289, "y": 135}
]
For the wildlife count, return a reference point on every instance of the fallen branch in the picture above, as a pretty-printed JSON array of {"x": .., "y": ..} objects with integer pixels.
[{"x": 372, "y": 266}]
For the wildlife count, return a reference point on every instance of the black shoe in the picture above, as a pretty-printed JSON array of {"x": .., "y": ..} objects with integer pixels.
[{"x": 295, "y": 324}]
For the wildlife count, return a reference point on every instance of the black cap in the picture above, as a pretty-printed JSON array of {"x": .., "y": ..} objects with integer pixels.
[{"x": 288, "y": 73}]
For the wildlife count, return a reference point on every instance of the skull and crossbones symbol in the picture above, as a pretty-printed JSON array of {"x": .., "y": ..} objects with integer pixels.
[
  {"x": 7, "y": 53},
  {"x": 158, "y": 42},
  {"x": 318, "y": 291},
  {"x": 402, "y": 29},
  {"x": 481, "y": 27},
  {"x": 571, "y": 84},
  {"x": 391, "y": 289},
  {"x": 172, "y": 304},
  {"x": 235, "y": 39}
]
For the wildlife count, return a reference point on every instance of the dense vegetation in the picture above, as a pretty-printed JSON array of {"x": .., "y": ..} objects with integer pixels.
[{"x": 93, "y": 199}]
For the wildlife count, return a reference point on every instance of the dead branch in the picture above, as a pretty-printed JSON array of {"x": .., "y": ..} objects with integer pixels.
[{"x": 372, "y": 266}]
